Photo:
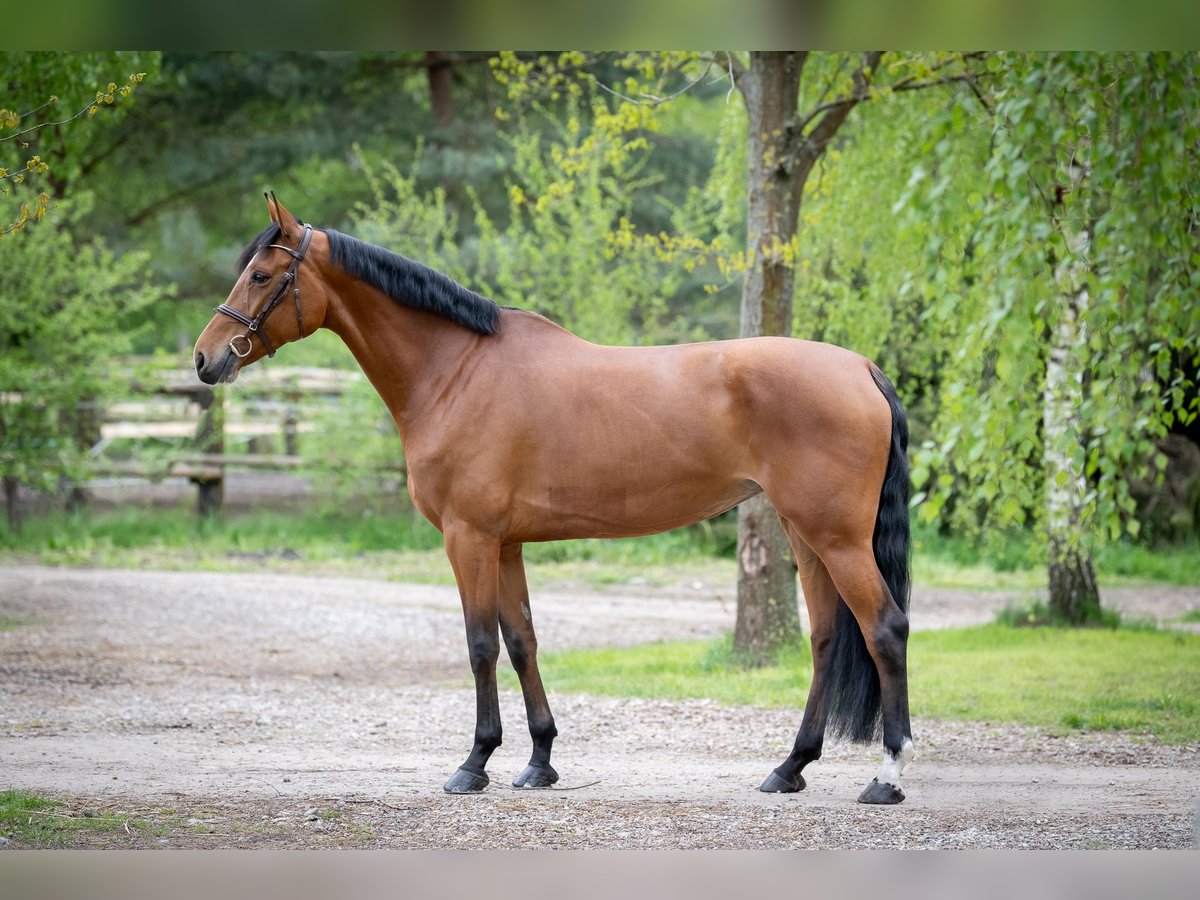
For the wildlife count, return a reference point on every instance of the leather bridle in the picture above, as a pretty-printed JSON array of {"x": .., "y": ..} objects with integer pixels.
[{"x": 254, "y": 326}]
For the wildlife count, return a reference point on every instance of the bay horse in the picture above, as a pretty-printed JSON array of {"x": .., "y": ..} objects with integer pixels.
[{"x": 516, "y": 430}]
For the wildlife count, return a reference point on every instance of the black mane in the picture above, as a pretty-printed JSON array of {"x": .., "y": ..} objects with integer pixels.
[
  {"x": 412, "y": 283},
  {"x": 402, "y": 279}
]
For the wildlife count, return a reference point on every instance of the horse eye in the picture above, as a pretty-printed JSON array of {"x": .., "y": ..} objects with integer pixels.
[{"x": 260, "y": 277}]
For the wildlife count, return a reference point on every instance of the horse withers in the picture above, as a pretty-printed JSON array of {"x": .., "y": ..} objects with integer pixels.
[{"x": 515, "y": 430}]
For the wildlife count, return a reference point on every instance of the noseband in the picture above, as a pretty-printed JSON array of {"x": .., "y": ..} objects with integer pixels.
[{"x": 254, "y": 325}]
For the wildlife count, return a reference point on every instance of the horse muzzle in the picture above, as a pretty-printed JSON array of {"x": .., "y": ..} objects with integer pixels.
[{"x": 222, "y": 368}]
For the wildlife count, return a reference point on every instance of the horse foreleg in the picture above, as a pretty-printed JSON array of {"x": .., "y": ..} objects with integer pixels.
[
  {"x": 475, "y": 558},
  {"x": 516, "y": 624},
  {"x": 820, "y": 596}
]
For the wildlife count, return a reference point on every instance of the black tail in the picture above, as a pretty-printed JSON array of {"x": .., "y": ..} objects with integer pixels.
[{"x": 850, "y": 675}]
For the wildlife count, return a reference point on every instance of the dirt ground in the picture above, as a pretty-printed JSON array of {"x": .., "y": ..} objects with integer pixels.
[{"x": 234, "y": 710}]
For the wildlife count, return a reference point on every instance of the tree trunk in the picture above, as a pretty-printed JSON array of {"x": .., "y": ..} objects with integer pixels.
[
  {"x": 210, "y": 438},
  {"x": 1074, "y": 597},
  {"x": 441, "y": 93},
  {"x": 12, "y": 503},
  {"x": 85, "y": 430},
  {"x": 767, "y": 614}
]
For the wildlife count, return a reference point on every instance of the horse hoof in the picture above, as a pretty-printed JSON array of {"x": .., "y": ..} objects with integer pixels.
[
  {"x": 536, "y": 777},
  {"x": 464, "y": 782},
  {"x": 881, "y": 793},
  {"x": 776, "y": 784}
]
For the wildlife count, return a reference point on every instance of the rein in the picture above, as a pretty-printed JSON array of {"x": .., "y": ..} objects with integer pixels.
[{"x": 254, "y": 326}]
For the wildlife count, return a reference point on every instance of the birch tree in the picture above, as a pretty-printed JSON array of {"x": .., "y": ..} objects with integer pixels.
[{"x": 1064, "y": 262}]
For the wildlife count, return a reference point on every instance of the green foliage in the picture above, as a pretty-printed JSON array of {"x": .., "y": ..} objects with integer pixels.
[
  {"x": 64, "y": 322},
  {"x": 354, "y": 454},
  {"x": 1093, "y": 680},
  {"x": 567, "y": 249},
  {"x": 853, "y": 281},
  {"x": 40, "y": 138},
  {"x": 1099, "y": 142}
]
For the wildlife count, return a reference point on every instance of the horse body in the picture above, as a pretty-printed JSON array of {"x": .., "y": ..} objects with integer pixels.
[
  {"x": 516, "y": 430},
  {"x": 593, "y": 441}
]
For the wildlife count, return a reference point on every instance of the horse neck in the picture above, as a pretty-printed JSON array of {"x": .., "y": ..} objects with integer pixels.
[{"x": 407, "y": 354}]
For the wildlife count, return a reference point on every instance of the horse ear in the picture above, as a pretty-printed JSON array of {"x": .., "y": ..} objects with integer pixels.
[{"x": 281, "y": 217}]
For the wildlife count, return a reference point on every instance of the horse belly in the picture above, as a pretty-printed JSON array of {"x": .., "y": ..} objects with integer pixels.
[
  {"x": 626, "y": 494},
  {"x": 577, "y": 512}
]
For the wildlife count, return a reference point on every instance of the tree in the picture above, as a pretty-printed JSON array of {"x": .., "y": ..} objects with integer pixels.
[
  {"x": 66, "y": 297},
  {"x": 796, "y": 104},
  {"x": 1068, "y": 280},
  {"x": 40, "y": 144},
  {"x": 60, "y": 328}
]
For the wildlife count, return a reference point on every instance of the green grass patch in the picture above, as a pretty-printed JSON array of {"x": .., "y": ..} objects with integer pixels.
[
  {"x": 1192, "y": 615},
  {"x": 1173, "y": 564},
  {"x": 399, "y": 544},
  {"x": 1039, "y": 614},
  {"x": 1090, "y": 679},
  {"x": 7, "y": 623},
  {"x": 1016, "y": 560},
  {"x": 37, "y": 821}
]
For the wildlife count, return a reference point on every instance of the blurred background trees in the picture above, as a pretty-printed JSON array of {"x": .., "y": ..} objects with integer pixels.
[{"x": 1016, "y": 247}]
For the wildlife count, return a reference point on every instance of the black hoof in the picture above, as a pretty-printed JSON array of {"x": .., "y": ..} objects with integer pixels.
[
  {"x": 880, "y": 793},
  {"x": 536, "y": 777},
  {"x": 777, "y": 784},
  {"x": 464, "y": 782}
]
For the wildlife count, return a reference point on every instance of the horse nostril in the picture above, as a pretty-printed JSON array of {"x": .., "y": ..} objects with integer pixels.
[{"x": 199, "y": 361}]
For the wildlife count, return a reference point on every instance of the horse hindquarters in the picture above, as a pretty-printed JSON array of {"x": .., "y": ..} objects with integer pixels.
[{"x": 860, "y": 624}]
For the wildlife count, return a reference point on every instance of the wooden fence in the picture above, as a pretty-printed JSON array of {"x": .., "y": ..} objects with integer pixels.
[{"x": 253, "y": 425}]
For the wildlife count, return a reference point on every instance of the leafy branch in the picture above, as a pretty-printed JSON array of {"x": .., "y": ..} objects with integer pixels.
[{"x": 37, "y": 164}]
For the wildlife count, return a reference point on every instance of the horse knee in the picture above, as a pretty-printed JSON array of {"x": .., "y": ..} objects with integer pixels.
[
  {"x": 522, "y": 650},
  {"x": 483, "y": 650}
]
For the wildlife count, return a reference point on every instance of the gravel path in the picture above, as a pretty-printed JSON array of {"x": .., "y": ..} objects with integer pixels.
[{"x": 288, "y": 711}]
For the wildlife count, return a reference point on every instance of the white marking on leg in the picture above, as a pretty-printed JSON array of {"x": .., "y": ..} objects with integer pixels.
[{"x": 889, "y": 772}]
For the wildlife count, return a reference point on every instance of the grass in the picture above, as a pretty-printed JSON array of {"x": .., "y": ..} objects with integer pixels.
[
  {"x": 39, "y": 821},
  {"x": 1014, "y": 560},
  {"x": 1134, "y": 680},
  {"x": 399, "y": 546},
  {"x": 402, "y": 546}
]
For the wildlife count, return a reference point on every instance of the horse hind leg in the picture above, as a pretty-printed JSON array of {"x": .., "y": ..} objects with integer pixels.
[
  {"x": 884, "y": 628},
  {"x": 820, "y": 596},
  {"x": 516, "y": 625}
]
